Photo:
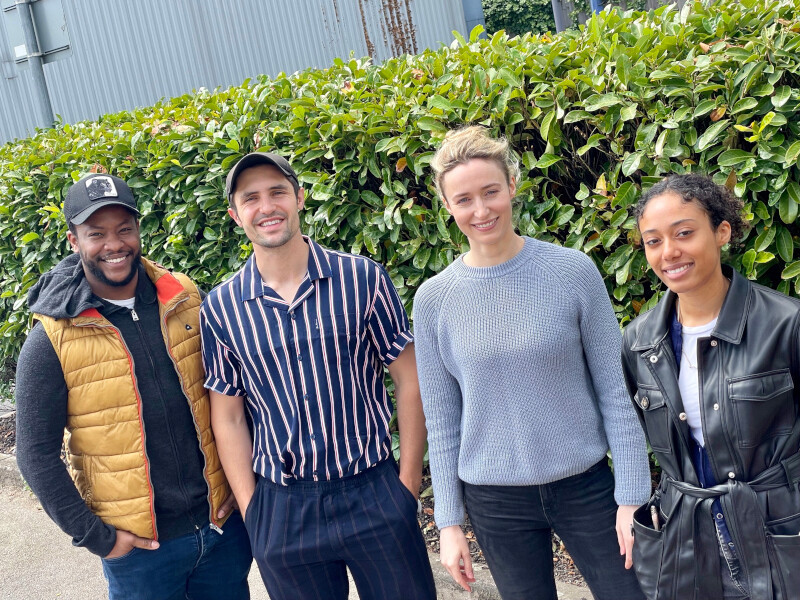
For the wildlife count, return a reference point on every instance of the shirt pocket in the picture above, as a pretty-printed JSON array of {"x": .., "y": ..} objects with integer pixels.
[
  {"x": 656, "y": 417},
  {"x": 763, "y": 406},
  {"x": 341, "y": 324}
]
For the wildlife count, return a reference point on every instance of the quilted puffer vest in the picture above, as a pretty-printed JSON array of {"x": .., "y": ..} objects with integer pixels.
[{"x": 105, "y": 431}]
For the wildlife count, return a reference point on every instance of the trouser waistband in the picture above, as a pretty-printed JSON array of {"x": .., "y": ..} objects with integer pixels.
[{"x": 295, "y": 486}]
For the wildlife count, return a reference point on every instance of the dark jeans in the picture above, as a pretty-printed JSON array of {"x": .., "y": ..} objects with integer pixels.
[
  {"x": 734, "y": 586},
  {"x": 305, "y": 535},
  {"x": 203, "y": 565},
  {"x": 513, "y": 526}
]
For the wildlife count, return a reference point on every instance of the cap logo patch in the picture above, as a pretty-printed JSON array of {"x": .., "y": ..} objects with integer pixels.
[{"x": 98, "y": 188}]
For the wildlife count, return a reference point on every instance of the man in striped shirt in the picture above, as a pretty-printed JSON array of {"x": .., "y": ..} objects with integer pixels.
[{"x": 300, "y": 336}]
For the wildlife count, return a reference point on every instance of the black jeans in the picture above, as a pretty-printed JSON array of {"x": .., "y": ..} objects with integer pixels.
[{"x": 513, "y": 526}]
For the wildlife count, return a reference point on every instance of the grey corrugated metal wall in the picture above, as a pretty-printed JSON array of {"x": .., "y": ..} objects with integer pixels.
[
  {"x": 128, "y": 54},
  {"x": 16, "y": 112}
]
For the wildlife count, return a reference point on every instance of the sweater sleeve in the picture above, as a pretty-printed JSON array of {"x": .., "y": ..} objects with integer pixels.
[
  {"x": 602, "y": 343},
  {"x": 41, "y": 398},
  {"x": 441, "y": 401}
]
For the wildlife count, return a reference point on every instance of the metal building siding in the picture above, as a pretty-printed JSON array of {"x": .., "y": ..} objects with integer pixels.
[
  {"x": 131, "y": 54},
  {"x": 16, "y": 110}
]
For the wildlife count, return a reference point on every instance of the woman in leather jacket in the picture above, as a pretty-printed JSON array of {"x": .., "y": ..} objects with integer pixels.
[{"x": 713, "y": 371}]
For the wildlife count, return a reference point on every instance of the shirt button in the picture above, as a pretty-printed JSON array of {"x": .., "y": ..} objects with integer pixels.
[
  {"x": 713, "y": 343},
  {"x": 300, "y": 357},
  {"x": 291, "y": 314},
  {"x": 716, "y": 406},
  {"x": 645, "y": 402},
  {"x": 313, "y": 436},
  {"x": 653, "y": 359},
  {"x": 682, "y": 416},
  {"x": 731, "y": 475},
  {"x": 719, "y": 516},
  {"x": 305, "y": 397}
]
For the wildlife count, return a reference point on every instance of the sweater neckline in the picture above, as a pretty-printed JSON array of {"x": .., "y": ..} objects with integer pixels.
[{"x": 504, "y": 268}]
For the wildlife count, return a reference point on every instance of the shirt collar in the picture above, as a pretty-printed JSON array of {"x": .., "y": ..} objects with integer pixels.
[
  {"x": 730, "y": 323},
  {"x": 319, "y": 267},
  {"x": 319, "y": 264}
]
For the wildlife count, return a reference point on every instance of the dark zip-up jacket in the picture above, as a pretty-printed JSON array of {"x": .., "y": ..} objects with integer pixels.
[
  {"x": 180, "y": 491},
  {"x": 749, "y": 385}
]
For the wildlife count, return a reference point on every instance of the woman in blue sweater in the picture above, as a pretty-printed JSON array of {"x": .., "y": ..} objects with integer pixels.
[{"x": 518, "y": 357}]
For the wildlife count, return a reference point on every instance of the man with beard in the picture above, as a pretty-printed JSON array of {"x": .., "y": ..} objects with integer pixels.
[
  {"x": 114, "y": 357},
  {"x": 301, "y": 335}
]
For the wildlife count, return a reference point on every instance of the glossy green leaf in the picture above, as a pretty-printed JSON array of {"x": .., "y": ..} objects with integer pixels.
[
  {"x": 731, "y": 158},
  {"x": 785, "y": 244},
  {"x": 711, "y": 134},
  {"x": 787, "y": 208},
  {"x": 791, "y": 271},
  {"x": 781, "y": 96},
  {"x": 631, "y": 163}
]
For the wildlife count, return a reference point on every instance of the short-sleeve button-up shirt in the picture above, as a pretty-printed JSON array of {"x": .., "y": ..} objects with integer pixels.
[{"x": 312, "y": 370}]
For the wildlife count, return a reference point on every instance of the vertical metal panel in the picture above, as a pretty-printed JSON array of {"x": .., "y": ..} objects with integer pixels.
[
  {"x": 473, "y": 13},
  {"x": 131, "y": 54},
  {"x": 17, "y": 112}
]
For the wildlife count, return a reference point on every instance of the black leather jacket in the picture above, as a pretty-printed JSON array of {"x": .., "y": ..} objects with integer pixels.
[{"x": 749, "y": 384}]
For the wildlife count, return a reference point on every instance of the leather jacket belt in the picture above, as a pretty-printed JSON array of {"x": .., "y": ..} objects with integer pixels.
[{"x": 745, "y": 522}]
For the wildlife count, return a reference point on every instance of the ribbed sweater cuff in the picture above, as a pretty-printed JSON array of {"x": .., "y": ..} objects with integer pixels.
[{"x": 631, "y": 478}]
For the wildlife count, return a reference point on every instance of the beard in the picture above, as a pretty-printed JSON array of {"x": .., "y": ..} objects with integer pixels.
[
  {"x": 93, "y": 267},
  {"x": 281, "y": 239}
]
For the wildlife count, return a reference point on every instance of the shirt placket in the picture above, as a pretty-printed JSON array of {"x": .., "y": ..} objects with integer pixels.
[{"x": 297, "y": 318}]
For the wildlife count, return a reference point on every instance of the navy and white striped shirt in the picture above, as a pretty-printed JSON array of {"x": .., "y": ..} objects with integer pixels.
[{"x": 311, "y": 370}]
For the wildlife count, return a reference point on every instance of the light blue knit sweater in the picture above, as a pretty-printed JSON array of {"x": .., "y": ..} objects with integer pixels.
[{"x": 521, "y": 379}]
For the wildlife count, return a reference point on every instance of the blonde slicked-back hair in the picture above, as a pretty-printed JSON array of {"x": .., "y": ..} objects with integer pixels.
[{"x": 462, "y": 145}]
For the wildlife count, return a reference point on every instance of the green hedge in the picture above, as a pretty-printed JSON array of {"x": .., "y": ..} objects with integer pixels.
[
  {"x": 517, "y": 17},
  {"x": 595, "y": 114}
]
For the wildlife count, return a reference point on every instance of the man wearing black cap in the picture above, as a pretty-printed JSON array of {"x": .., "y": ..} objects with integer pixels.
[
  {"x": 114, "y": 358},
  {"x": 301, "y": 335}
]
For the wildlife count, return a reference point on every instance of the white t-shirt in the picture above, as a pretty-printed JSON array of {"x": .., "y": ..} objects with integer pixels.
[
  {"x": 688, "y": 379},
  {"x": 127, "y": 303}
]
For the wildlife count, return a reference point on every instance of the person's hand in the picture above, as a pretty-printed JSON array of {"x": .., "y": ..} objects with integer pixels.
[
  {"x": 412, "y": 481},
  {"x": 126, "y": 542},
  {"x": 227, "y": 506},
  {"x": 246, "y": 506},
  {"x": 624, "y": 533},
  {"x": 454, "y": 556}
]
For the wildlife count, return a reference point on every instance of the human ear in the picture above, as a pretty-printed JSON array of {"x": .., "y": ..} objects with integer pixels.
[
  {"x": 235, "y": 216},
  {"x": 723, "y": 233},
  {"x": 447, "y": 205},
  {"x": 73, "y": 241}
]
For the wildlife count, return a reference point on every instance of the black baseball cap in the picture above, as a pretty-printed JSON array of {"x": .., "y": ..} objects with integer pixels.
[
  {"x": 258, "y": 158},
  {"x": 93, "y": 192}
]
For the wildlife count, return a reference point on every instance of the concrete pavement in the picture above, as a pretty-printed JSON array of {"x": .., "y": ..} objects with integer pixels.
[{"x": 38, "y": 562}]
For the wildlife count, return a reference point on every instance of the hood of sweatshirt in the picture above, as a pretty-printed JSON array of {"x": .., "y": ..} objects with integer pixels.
[{"x": 63, "y": 292}]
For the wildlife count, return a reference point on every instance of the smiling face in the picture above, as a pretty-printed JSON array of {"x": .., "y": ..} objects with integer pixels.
[
  {"x": 680, "y": 243},
  {"x": 266, "y": 206},
  {"x": 110, "y": 248},
  {"x": 478, "y": 195}
]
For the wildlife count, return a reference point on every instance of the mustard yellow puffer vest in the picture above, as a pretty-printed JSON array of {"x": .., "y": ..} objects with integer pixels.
[{"x": 105, "y": 430}]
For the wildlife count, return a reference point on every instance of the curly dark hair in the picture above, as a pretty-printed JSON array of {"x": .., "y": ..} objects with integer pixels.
[{"x": 717, "y": 201}]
